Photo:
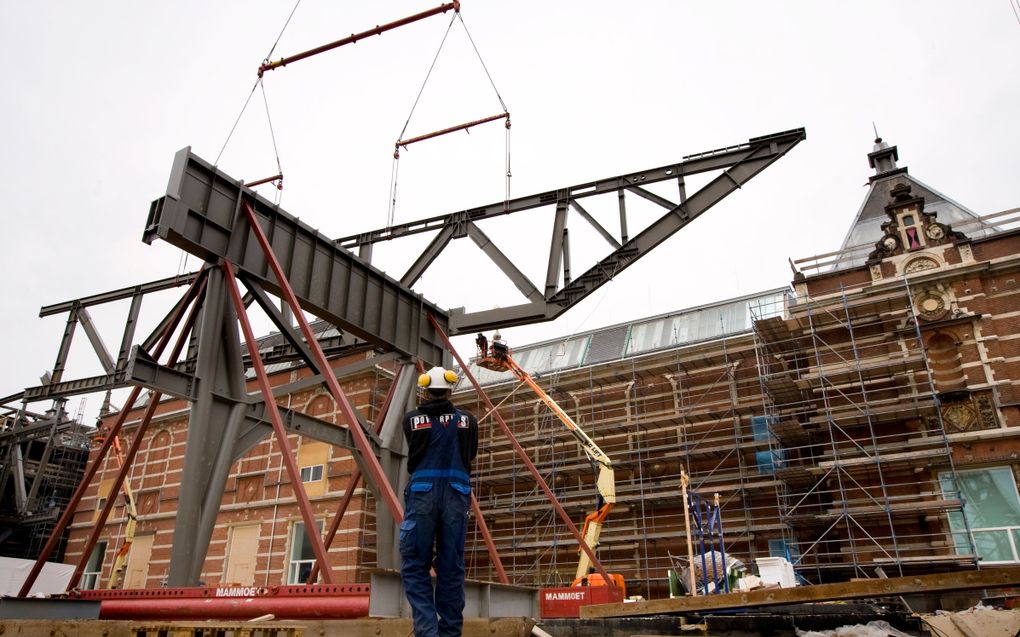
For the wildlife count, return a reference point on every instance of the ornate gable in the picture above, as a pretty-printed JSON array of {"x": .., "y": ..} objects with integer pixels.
[{"x": 910, "y": 229}]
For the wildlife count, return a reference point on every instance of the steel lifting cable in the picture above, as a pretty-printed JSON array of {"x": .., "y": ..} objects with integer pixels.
[
  {"x": 404, "y": 143},
  {"x": 395, "y": 166},
  {"x": 506, "y": 196},
  {"x": 256, "y": 85},
  {"x": 277, "y": 179}
]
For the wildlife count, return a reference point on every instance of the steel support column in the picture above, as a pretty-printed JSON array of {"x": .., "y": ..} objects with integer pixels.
[{"x": 211, "y": 427}]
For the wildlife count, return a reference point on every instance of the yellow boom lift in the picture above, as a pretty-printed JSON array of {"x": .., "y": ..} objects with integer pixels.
[
  {"x": 120, "y": 560},
  {"x": 497, "y": 358}
]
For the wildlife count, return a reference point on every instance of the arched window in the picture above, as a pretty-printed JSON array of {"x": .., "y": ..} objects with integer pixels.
[
  {"x": 157, "y": 457},
  {"x": 322, "y": 407}
]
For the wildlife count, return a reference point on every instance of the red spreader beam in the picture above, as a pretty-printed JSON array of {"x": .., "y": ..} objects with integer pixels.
[
  {"x": 354, "y": 37},
  {"x": 404, "y": 143},
  {"x": 266, "y": 180}
]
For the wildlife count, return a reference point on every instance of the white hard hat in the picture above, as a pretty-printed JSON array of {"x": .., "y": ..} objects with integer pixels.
[{"x": 438, "y": 378}]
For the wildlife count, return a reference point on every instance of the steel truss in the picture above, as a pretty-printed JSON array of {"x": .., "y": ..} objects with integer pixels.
[{"x": 738, "y": 164}]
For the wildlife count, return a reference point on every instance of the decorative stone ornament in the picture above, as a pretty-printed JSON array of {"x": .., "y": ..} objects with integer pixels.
[
  {"x": 931, "y": 305},
  {"x": 935, "y": 231},
  {"x": 920, "y": 263},
  {"x": 959, "y": 417}
]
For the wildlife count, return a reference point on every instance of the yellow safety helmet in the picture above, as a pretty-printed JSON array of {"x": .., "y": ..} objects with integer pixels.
[{"x": 438, "y": 378}]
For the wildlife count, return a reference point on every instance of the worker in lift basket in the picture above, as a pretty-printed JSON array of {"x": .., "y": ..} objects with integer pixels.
[{"x": 442, "y": 442}]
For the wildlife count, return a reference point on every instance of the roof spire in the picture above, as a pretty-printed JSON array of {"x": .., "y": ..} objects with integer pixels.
[{"x": 883, "y": 156}]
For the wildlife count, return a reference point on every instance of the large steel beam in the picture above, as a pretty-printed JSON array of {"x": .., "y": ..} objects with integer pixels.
[
  {"x": 738, "y": 164},
  {"x": 201, "y": 214},
  {"x": 68, "y": 388},
  {"x": 119, "y": 294},
  {"x": 217, "y": 411}
]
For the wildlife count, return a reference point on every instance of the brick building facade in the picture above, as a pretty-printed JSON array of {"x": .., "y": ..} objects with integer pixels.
[{"x": 259, "y": 536}]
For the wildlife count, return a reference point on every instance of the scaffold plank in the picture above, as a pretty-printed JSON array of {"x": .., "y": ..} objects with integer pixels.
[{"x": 890, "y": 587}]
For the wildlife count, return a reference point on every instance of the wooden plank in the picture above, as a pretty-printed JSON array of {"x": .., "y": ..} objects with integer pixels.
[
  {"x": 893, "y": 586},
  {"x": 473, "y": 627}
]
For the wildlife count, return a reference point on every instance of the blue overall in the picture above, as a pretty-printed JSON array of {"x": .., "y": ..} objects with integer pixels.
[{"x": 436, "y": 503}]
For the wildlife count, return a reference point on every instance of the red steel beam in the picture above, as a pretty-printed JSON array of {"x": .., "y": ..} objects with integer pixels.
[
  {"x": 136, "y": 443},
  {"x": 293, "y": 473},
  {"x": 354, "y": 37},
  {"x": 404, "y": 143},
  {"x": 90, "y": 471},
  {"x": 524, "y": 458},
  {"x": 375, "y": 471},
  {"x": 339, "y": 601},
  {"x": 489, "y": 544},
  {"x": 352, "y": 482},
  {"x": 265, "y": 180}
]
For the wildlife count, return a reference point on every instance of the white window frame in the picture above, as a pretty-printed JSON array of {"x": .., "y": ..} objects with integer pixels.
[
  {"x": 297, "y": 541},
  {"x": 1011, "y": 531},
  {"x": 312, "y": 473},
  {"x": 90, "y": 578}
]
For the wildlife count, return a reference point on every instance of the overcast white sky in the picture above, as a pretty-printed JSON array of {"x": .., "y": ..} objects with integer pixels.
[{"x": 97, "y": 98}]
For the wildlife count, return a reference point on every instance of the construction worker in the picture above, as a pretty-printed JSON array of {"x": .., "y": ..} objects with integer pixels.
[
  {"x": 442, "y": 442},
  {"x": 483, "y": 345}
]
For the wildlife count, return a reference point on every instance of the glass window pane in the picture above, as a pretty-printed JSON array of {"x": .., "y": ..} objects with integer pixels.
[
  {"x": 994, "y": 546},
  {"x": 301, "y": 548},
  {"x": 96, "y": 559},
  {"x": 297, "y": 545},
  {"x": 991, "y": 497}
]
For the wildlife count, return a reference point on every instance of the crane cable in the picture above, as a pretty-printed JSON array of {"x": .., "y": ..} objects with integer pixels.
[
  {"x": 394, "y": 170},
  {"x": 396, "y": 154},
  {"x": 506, "y": 195},
  {"x": 257, "y": 83},
  {"x": 183, "y": 263},
  {"x": 278, "y": 196}
]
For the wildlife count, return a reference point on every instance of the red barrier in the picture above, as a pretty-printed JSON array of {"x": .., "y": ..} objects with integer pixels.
[{"x": 232, "y": 602}]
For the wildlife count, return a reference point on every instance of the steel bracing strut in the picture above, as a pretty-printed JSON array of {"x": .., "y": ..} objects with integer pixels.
[{"x": 90, "y": 472}]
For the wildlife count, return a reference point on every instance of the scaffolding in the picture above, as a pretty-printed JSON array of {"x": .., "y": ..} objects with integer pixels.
[
  {"x": 818, "y": 424},
  {"x": 42, "y": 458},
  {"x": 852, "y": 415},
  {"x": 680, "y": 399}
]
